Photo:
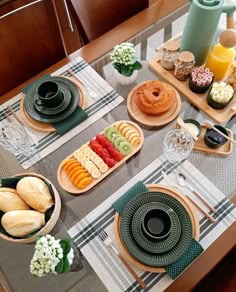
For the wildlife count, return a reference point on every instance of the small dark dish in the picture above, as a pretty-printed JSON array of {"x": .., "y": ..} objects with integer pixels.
[
  {"x": 215, "y": 104},
  {"x": 156, "y": 224},
  {"x": 213, "y": 139},
  {"x": 199, "y": 89},
  {"x": 196, "y": 123}
]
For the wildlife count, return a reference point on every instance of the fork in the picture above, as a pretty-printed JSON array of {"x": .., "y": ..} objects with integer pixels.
[{"x": 109, "y": 243}]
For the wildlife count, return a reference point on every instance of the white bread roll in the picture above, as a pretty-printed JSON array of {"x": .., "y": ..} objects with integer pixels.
[
  {"x": 35, "y": 193},
  {"x": 22, "y": 222},
  {"x": 10, "y": 200}
]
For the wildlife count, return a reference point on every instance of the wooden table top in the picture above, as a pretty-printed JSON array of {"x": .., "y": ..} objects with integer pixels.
[{"x": 160, "y": 11}]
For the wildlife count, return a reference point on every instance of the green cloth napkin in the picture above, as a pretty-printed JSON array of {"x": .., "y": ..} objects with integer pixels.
[
  {"x": 62, "y": 127},
  {"x": 137, "y": 189},
  {"x": 194, "y": 250}
]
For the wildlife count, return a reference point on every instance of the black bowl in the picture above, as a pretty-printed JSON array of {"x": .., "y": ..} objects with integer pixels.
[
  {"x": 213, "y": 139},
  {"x": 199, "y": 89},
  {"x": 217, "y": 105},
  {"x": 156, "y": 224}
]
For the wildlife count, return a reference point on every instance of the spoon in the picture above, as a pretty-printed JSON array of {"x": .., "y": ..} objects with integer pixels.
[{"x": 181, "y": 179}]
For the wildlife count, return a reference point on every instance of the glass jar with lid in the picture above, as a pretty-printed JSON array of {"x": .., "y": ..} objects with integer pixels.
[
  {"x": 184, "y": 65},
  {"x": 169, "y": 52}
]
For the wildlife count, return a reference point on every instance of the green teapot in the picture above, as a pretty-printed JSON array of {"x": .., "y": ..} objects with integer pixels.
[{"x": 201, "y": 26}]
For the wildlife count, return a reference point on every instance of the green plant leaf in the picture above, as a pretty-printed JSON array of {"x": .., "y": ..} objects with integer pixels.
[
  {"x": 117, "y": 66},
  {"x": 137, "y": 65},
  {"x": 59, "y": 267},
  {"x": 127, "y": 70},
  {"x": 65, "y": 245},
  {"x": 66, "y": 265}
]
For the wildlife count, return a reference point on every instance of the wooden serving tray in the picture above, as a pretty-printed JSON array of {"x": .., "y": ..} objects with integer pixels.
[
  {"x": 183, "y": 200},
  {"x": 67, "y": 185},
  {"x": 199, "y": 145},
  {"x": 199, "y": 100},
  {"x": 147, "y": 120},
  {"x": 47, "y": 127}
]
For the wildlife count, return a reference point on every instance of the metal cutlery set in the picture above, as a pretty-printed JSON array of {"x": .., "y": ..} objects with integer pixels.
[{"x": 181, "y": 181}]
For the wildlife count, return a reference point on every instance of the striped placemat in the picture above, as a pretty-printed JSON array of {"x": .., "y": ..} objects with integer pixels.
[
  {"x": 110, "y": 270},
  {"x": 101, "y": 99}
]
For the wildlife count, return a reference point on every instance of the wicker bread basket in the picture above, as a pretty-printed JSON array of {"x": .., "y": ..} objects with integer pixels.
[{"x": 49, "y": 224}]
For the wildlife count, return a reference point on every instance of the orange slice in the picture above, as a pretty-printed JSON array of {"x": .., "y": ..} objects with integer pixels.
[
  {"x": 125, "y": 130},
  {"x": 118, "y": 125},
  {"x": 72, "y": 166},
  {"x": 80, "y": 177},
  {"x": 135, "y": 141},
  {"x": 75, "y": 170},
  {"x": 64, "y": 162},
  {"x": 78, "y": 174},
  {"x": 67, "y": 165},
  {"x": 84, "y": 182}
]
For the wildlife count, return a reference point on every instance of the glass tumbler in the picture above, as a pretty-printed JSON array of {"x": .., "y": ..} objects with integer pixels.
[
  {"x": 15, "y": 139},
  {"x": 177, "y": 145}
]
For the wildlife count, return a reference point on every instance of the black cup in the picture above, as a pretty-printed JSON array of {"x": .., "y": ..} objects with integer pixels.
[
  {"x": 49, "y": 94},
  {"x": 156, "y": 224}
]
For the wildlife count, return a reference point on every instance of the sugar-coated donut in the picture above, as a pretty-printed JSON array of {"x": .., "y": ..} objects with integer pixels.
[{"x": 155, "y": 97}]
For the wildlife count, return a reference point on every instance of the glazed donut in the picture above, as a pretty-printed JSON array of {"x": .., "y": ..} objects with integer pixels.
[{"x": 155, "y": 97}]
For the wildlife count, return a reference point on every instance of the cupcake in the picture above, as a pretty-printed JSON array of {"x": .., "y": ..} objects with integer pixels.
[
  {"x": 220, "y": 95},
  {"x": 200, "y": 80}
]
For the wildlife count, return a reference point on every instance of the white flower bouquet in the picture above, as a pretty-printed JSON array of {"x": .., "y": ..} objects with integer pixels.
[
  {"x": 125, "y": 59},
  {"x": 51, "y": 256}
]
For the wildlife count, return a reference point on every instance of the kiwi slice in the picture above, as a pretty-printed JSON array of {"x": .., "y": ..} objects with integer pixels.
[
  {"x": 118, "y": 140},
  {"x": 125, "y": 148},
  {"x": 112, "y": 131},
  {"x": 114, "y": 137},
  {"x": 105, "y": 131}
]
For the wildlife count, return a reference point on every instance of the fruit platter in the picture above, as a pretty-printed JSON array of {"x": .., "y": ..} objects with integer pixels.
[{"x": 93, "y": 161}]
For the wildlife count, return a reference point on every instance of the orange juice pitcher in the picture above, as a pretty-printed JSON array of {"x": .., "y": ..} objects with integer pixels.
[{"x": 222, "y": 55}]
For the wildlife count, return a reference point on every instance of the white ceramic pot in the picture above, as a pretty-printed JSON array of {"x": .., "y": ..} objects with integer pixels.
[{"x": 126, "y": 80}]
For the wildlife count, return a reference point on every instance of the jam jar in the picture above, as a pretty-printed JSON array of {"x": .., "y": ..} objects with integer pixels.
[
  {"x": 169, "y": 52},
  {"x": 184, "y": 65}
]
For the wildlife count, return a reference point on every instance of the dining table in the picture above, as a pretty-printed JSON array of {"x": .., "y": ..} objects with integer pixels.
[{"x": 147, "y": 30}]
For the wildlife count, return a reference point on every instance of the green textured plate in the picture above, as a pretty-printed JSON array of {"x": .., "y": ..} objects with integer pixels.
[
  {"x": 155, "y": 246},
  {"x": 58, "y": 109},
  {"x": 148, "y": 258},
  {"x": 62, "y": 82}
]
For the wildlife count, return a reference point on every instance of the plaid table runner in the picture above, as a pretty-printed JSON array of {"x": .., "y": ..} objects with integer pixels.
[
  {"x": 110, "y": 270},
  {"x": 101, "y": 99}
]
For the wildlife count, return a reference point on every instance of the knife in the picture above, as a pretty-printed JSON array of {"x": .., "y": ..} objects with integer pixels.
[{"x": 169, "y": 182}]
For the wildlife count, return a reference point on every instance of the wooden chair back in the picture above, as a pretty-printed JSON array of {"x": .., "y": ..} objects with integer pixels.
[{"x": 95, "y": 17}]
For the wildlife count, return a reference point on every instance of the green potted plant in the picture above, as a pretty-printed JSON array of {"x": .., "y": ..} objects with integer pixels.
[
  {"x": 125, "y": 62},
  {"x": 51, "y": 256}
]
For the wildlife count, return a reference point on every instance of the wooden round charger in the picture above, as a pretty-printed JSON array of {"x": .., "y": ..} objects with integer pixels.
[
  {"x": 189, "y": 208},
  {"x": 147, "y": 120},
  {"x": 47, "y": 127}
]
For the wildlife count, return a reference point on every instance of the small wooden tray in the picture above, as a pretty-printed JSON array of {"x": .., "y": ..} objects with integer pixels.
[
  {"x": 47, "y": 127},
  {"x": 199, "y": 145},
  {"x": 183, "y": 200},
  {"x": 67, "y": 185},
  {"x": 199, "y": 100},
  {"x": 161, "y": 120}
]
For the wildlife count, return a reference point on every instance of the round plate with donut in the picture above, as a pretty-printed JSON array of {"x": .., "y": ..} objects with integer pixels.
[{"x": 154, "y": 103}]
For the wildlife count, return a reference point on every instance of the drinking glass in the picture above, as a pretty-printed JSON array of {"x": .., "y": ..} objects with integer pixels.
[
  {"x": 15, "y": 139},
  {"x": 177, "y": 145}
]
